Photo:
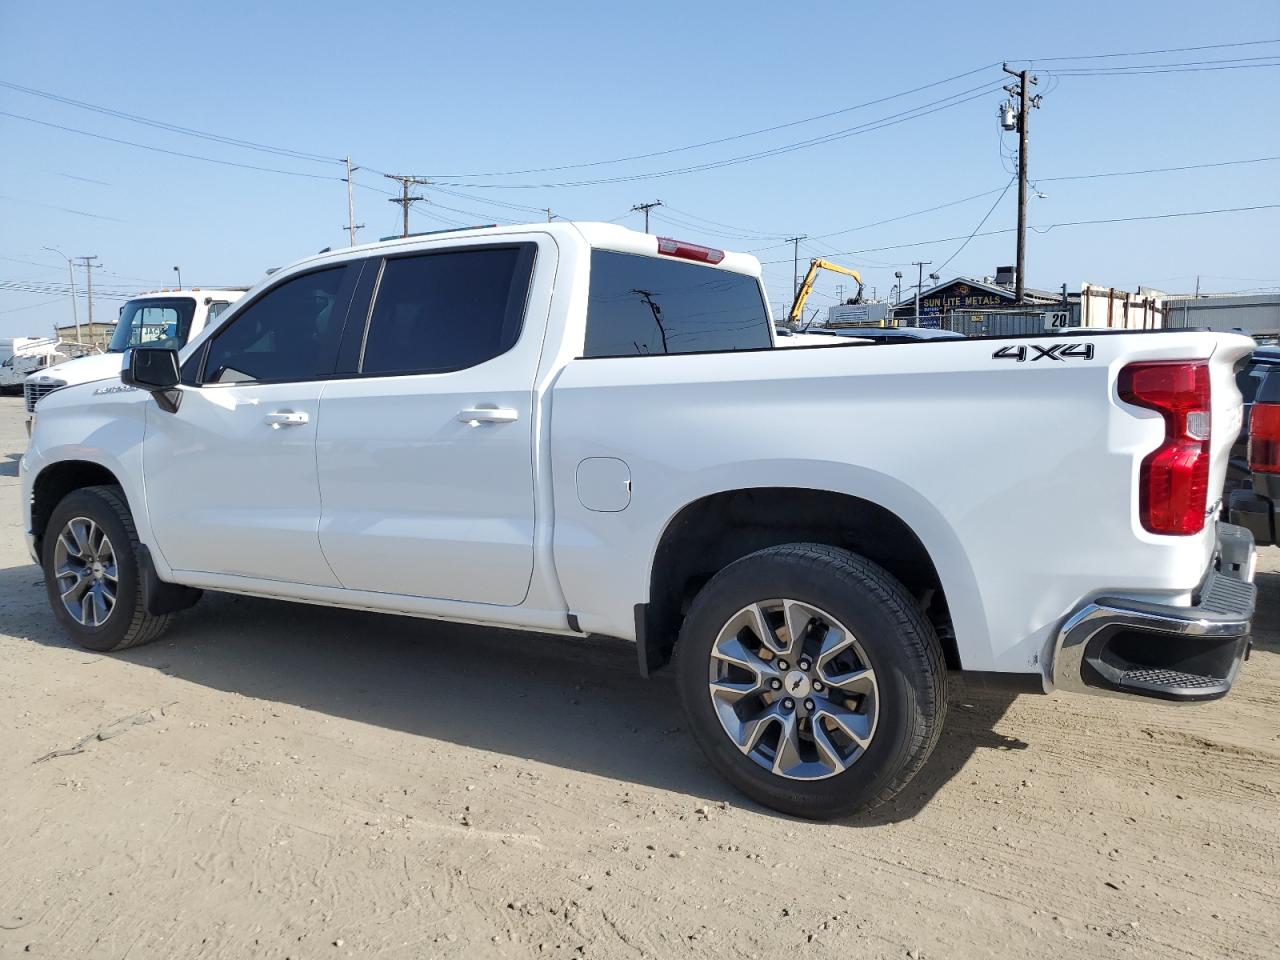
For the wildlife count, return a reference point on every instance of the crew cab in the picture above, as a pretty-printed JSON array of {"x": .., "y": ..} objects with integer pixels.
[
  {"x": 162, "y": 318},
  {"x": 574, "y": 428}
]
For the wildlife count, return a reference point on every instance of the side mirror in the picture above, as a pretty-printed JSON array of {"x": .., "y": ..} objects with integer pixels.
[{"x": 155, "y": 370}]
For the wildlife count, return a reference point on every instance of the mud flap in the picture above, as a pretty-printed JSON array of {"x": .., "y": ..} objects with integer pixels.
[{"x": 158, "y": 596}]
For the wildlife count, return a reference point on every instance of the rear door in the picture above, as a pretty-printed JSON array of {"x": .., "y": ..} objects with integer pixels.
[{"x": 426, "y": 456}]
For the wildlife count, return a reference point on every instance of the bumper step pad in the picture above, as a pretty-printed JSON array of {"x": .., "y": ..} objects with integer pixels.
[{"x": 1157, "y": 680}]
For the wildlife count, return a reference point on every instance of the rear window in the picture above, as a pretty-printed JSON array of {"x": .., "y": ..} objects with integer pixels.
[{"x": 645, "y": 305}]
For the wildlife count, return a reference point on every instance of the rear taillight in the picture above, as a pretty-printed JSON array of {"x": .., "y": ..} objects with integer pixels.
[
  {"x": 1264, "y": 438},
  {"x": 1174, "y": 481},
  {"x": 689, "y": 251}
]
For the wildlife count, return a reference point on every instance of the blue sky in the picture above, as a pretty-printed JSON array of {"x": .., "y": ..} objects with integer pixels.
[{"x": 455, "y": 90}]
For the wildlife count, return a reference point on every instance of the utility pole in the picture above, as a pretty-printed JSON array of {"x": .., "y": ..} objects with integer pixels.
[
  {"x": 795, "y": 265},
  {"x": 405, "y": 199},
  {"x": 352, "y": 226},
  {"x": 1025, "y": 102},
  {"x": 920, "y": 265},
  {"x": 646, "y": 207},
  {"x": 547, "y": 210},
  {"x": 88, "y": 275},
  {"x": 71, "y": 275}
]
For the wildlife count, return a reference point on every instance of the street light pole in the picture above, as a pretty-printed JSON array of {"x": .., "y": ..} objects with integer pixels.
[
  {"x": 920, "y": 265},
  {"x": 71, "y": 273},
  {"x": 178, "y": 271}
]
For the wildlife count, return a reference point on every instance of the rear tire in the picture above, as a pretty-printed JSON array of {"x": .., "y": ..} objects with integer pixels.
[
  {"x": 868, "y": 678},
  {"x": 92, "y": 572}
]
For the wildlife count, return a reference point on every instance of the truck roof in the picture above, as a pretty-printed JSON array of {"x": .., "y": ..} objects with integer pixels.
[
  {"x": 604, "y": 236},
  {"x": 191, "y": 292}
]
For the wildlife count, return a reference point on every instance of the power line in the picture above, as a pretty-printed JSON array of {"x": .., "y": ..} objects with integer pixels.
[
  {"x": 494, "y": 202},
  {"x": 720, "y": 140},
  {"x": 881, "y": 123},
  {"x": 1148, "y": 53},
  {"x": 1134, "y": 173},
  {"x": 741, "y": 231},
  {"x": 880, "y": 223},
  {"x": 701, "y": 229},
  {"x": 173, "y": 153},
  {"x": 981, "y": 223},
  {"x": 1003, "y": 190},
  {"x": 171, "y": 127},
  {"x": 54, "y": 206},
  {"x": 31, "y": 306},
  {"x": 1124, "y": 72},
  {"x": 1045, "y": 228},
  {"x": 60, "y": 289}
]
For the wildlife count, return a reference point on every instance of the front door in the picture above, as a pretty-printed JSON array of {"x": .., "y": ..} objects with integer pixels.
[
  {"x": 426, "y": 457},
  {"x": 230, "y": 476}
]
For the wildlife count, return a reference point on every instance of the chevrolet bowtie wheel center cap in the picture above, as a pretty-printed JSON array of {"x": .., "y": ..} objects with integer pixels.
[{"x": 796, "y": 684}]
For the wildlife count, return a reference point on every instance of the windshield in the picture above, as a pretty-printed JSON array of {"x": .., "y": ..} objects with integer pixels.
[{"x": 154, "y": 322}]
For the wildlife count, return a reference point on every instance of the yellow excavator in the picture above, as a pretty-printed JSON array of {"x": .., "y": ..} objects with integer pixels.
[{"x": 796, "y": 316}]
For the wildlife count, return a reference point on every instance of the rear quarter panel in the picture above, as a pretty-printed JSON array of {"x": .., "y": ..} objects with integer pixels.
[{"x": 1020, "y": 478}]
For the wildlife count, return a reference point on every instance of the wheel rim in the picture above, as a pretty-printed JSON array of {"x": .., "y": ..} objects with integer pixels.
[
  {"x": 794, "y": 689},
  {"x": 84, "y": 568}
]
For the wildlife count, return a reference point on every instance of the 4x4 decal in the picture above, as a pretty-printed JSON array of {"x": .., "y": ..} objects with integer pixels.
[{"x": 1055, "y": 351}]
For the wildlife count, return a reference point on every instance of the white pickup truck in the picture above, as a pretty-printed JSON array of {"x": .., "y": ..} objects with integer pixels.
[{"x": 579, "y": 429}]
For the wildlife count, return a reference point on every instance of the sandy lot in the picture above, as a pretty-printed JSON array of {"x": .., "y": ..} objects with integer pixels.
[{"x": 273, "y": 780}]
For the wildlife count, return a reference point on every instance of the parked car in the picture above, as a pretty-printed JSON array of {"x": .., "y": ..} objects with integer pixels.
[
  {"x": 786, "y": 337},
  {"x": 167, "y": 318},
  {"x": 581, "y": 429},
  {"x": 1253, "y": 485},
  {"x": 897, "y": 334}
]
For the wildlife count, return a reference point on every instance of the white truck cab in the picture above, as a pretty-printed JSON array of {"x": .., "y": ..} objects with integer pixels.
[
  {"x": 20, "y": 356},
  {"x": 161, "y": 318}
]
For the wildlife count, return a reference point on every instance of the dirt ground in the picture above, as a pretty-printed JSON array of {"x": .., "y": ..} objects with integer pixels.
[{"x": 273, "y": 780}]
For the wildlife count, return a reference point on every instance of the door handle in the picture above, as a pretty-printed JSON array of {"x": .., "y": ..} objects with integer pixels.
[
  {"x": 286, "y": 418},
  {"x": 475, "y": 415}
]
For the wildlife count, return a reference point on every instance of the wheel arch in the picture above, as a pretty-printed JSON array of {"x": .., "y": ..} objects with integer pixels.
[
  {"x": 53, "y": 483},
  {"x": 708, "y": 533}
]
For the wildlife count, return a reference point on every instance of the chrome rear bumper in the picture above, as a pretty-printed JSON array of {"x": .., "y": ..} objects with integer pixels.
[{"x": 1126, "y": 647}]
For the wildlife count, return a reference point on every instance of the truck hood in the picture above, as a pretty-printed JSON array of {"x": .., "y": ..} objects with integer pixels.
[{"x": 82, "y": 369}]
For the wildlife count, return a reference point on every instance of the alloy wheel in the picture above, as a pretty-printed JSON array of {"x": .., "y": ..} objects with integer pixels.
[
  {"x": 84, "y": 567},
  {"x": 793, "y": 689}
]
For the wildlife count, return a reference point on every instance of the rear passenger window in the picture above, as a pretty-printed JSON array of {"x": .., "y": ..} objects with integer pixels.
[
  {"x": 644, "y": 305},
  {"x": 447, "y": 311}
]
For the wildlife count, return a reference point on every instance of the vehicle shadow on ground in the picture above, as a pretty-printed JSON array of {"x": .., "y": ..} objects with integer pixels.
[
  {"x": 9, "y": 464},
  {"x": 578, "y": 704}
]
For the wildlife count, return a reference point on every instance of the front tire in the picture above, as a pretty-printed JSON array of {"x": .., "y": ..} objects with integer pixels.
[
  {"x": 92, "y": 573},
  {"x": 811, "y": 680}
]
